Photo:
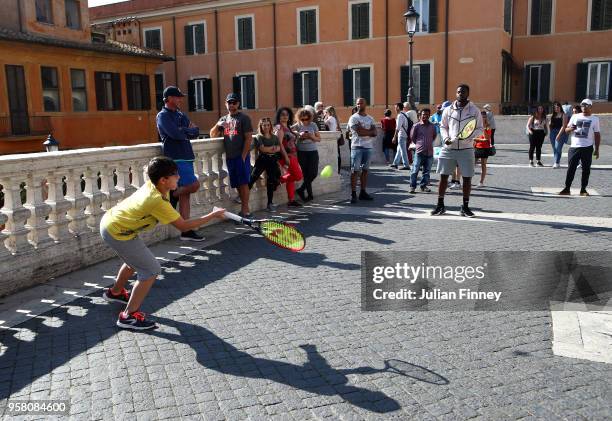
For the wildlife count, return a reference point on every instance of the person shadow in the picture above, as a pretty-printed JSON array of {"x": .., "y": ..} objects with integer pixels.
[{"x": 316, "y": 375}]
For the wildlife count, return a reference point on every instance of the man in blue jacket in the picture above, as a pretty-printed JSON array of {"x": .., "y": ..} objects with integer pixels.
[{"x": 175, "y": 132}]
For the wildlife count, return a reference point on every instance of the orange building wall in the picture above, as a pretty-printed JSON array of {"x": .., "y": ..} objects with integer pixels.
[{"x": 58, "y": 29}]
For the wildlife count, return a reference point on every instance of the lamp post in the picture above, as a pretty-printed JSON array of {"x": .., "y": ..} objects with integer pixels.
[
  {"x": 51, "y": 145},
  {"x": 411, "y": 17}
]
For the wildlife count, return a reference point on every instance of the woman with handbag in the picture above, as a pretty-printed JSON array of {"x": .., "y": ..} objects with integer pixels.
[{"x": 331, "y": 121}]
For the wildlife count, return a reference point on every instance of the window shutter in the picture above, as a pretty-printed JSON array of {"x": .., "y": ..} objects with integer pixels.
[
  {"x": 347, "y": 82},
  {"x": 545, "y": 83},
  {"x": 364, "y": 21},
  {"x": 404, "y": 82},
  {"x": 297, "y": 90},
  {"x": 425, "y": 83},
  {"x": 355, "y": 23},
  {"x": 129, "y": 86},
  {"x": 241, "y": 34},
  {"x": 546, "y": 10},
  {"x": 189, "y": 40},
  {"x": 191, "y": 94},
  {"x": 365, "y": 84},
  {"x": 248, "y": 33},
  {"x": 149, "y": 39},
  {"x": 526, "y": 82},
  {"x": 433, "y": 16},
  {"x": 607, "y": 16},
  {"x": 200, "y": 44},
  {"x": 610, "y": 83},
  {"x": 312, "y": 26},
  {"x": 146, "y": 92},
  {"x": 582, "y": 72},
  {"x": 99, "y": 91},
  {"x": 303, "y": 27},
  {"x": 508, "y": 16},
  {"x": 116, "y": 91},
  {"x": 535, "y": 16},
  {"x": 236, "y": 86},
  {"x": 314, "y": 85},
  {"x": 250, "y": 85},
  {"x": 208, "y": 100}
]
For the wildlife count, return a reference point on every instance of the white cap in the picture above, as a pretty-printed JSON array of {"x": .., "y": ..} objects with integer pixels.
[{"x": 587, "y": 101}]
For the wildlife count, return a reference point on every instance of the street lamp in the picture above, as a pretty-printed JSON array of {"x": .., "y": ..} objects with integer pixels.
[
  {"x": 51, "y": 145},
  {"x": 411, "y": 17}
]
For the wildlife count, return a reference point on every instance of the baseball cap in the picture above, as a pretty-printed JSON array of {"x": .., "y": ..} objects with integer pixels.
[
  {"x": 446, "y": 104},
  {"x": 232, "y": 97},
  {"x": 172, "y": 91},
  {"x": 587, "y": 101}
]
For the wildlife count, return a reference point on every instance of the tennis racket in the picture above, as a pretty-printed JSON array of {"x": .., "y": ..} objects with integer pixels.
[
  {"x": 468, "y": 129},
  {"x": 276, "y": 232}
]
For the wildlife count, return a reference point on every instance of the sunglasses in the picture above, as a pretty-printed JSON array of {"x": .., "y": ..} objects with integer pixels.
[
  {"x": 232, "y": 102},
  {"x": 304, "y": 119}
]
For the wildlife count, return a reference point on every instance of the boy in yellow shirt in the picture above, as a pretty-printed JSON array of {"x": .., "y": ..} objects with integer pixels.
[{"x": 120, "y": 227}]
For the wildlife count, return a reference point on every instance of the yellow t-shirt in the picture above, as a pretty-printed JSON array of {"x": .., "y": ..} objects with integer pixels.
[{"x": 139, "y": 212}]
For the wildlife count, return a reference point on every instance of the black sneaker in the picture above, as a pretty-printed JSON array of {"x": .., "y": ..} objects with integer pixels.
[
  {"x": 365, "y": 196},
  {"x": 425, "y": 189},
  {"x": 135, "y": 321},
  {"x": 439, "y": 210},
  {"x": 294, "y": 204},
  {"x": 539, "y": 164},
  {"x": 393, "y": 166},
  {"x": 353, "y": 197},
  {"x": 122, "y": 297},
  {"x": 301, "y": 194},
  {"x": 308, "y": 199},
  {"x": 191, "y": 236},
  {"x": 173, "y": 200},
  {"x": 565, "y": 192},
  {"x": 584, "y": 193},
  {"x": 412, "y": 190},
  {"x": 465, "y": 211}
]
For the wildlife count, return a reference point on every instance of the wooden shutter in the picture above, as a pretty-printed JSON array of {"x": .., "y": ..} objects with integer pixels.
[
  {"x": 200, "y": 43},
  {"x": 347, "y": 83},
  {"x": 365, "y": 83},
  {"x": 364, "y": 21},
  {"x": 250, "y": 98},
  {"x": 312, "y": 26},
  {"x": 314, "y": 85},
  {"x": 191, "y": 94},
  {"x": 404, "y": 82},
  {"x": 241, "y": 34},
  {"x": 236, "y": 85},
  {"x": 129, "y": 86},
  {"x": 116, "y": 82},
  {"x": 146, "y": 92},
  {"x": 99, "y": 91},
  {"x": 297, "y": 90},
  {"x": 424, "y": 83},
  {"x": 545, "y": 83},
  {"x": 208, "y": 101},
  {"x": 356, "y": 11},
  {"x": 582, "y": 72},
  {"x": 189, "y": 40},
  {"x": 546, "y": 10},
  {"x": 303, "y": 27},
  {"x": 245, "y": 34},
  {"x": 149, "y": 39},
  {"x": 508, "y": 16},
  {"x": 433, "y": 16}
]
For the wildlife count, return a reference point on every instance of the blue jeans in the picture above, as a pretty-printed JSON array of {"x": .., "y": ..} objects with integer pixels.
[
  {"x": 425, "y": 161},
  {"x": 402, "y": 152},
  {"x": 557, "y": 144}
]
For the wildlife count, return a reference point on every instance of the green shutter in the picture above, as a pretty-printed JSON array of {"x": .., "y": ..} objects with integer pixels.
[
  {"x": 347, "y": 83},
  {"x": 146, "y": 92},
  {"x": 191, "y": 94},
  {"x": 312, "y": 26},
  {"x": 247, "y": 34},
  {"x": 508, "y": 16},
  {"x": 208, "y": 100},
  {"x": 99, "y": 91},
  {"x": 189, "y": 40},
  {"x": 365, "y": 83},
  {"x": 526, "y": 83},
  {"x": 303, "y": 27},
  {"x": 433, "y": 16},
  {"x": 241, "y": 34},
  {"x": 314, "y": 83},
  {"x": 297, "y": 90},
  {"x": 545, "y": 83},
  {"x": 425, "y": 83},
  {"x": 129, "y": 86},
  {"x": 596, "y": 15},
  {"x": 116, "y": 83},
  {"x": 364, "y": 18},
  {"x": 199, "y": 46},
  {"x": 582, "y": 71},
  {"x": 404, "y": 83},
  {"x": 236, "y": 85},
  {"x": 250, "y": 85},
  {"x": 546, "y": 10},
  {"x": 355, "y": 23}
]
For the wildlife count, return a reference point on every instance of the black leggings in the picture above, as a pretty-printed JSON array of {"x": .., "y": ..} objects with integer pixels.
[
  {"x": 269, "y": 164},
  {"x": 575, "y": 156},
  {"x": 536, "y": 140},
  {"x": 309, "y": 162}
]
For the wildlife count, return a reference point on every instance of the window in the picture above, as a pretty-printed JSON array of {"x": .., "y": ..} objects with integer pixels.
[
  {"x": 244, "y": 85},
  {"x": 360, "y": 20},
  {"x": 537, "y": 83},
  {"x": 244, "y": 32},
  {"x": 356, "y": 82},
  {"x": 508, "y": 16},
  {"x": 308, "y": 26},
  {"x": 541, "y": 17},
  {"x": 159, "y": 91},
  {"x": 153, "y": 38},
  {"x": 200, "y": 94},
  {"x": 506, "y": 92},
  {"x": 50, "y": 85},
  {"x": 44, "y": 11},
  {"x": 598, "y": 81},
  {"x": 305, "y": 88},
  {"x": 108, "y": 91},
  {"x": 79, "y": 90},
  {"x": 421, "y": 82},
  {"x": 422, "y": 8},
  {"x": 195, "y": 42},
  {"x": 138, "y": 92},
  {"x": 73, "y": 14},
  {"x": 601, "y": 15}
]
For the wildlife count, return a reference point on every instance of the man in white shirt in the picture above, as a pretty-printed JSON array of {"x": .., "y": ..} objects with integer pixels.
[
  {"x": 584, "y": 130},
  {"x": 363, "y": 133},
  {"x": 402, "y": 133}
]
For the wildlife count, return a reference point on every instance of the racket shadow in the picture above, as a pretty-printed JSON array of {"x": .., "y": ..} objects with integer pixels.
[{"x": 405, "y": 369}]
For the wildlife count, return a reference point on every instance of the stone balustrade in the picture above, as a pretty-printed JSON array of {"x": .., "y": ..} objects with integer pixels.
[{"x": 56, "y": 230}]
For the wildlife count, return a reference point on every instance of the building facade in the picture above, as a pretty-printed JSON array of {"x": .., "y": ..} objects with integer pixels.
[
  {"x": 512, "y": 53},
  {"x": 57, "y": 81}
]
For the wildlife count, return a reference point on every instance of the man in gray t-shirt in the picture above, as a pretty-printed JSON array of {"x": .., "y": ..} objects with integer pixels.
[{"x": 363, "y": 132}]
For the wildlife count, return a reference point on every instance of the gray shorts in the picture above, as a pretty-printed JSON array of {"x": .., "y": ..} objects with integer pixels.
[
  {"x": 449, "y": 159},
  {"x": 135, "y": 254}
]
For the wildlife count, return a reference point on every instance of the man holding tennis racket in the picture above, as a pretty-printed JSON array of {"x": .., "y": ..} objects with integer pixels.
[{"x": 460, "y": 124}]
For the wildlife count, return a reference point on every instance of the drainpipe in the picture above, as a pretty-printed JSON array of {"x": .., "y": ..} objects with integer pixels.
[
  {"x": 176, "y": 82},
  {"x": 217, "y": 61},
  {"x": 447, "y": 12},
  {"x": 386, "y": 53},
  {"x": 275, "y": 60}
]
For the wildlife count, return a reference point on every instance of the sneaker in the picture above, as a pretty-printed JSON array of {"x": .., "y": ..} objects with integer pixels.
[
  {"x": 465, "y": 211},
  {"x": 271, "y": 207},
  {"x": 565, "y": 192},
  {"x": 353, "y": 197},
  {"x": 480, "y": 185},
  {"x": 309, "y": 199},
  {"x": 425, "y": 189},
  {"x": 294, "y": 204},
  {"x": 173, "y": 200},
  {"x": 555, "y": 165},
  {"x": 584, "y": 193},
  {"x": 301, "y": 194},
  {"x": 455, "y": 186},
  {"x": 364, "y": 196},
  {"x": 123, "y": 297},
  {"x": 404, "y": 168},
  {"x": 540, "y": 164},
  {"x": 135, "y": 321},
  {"x": 439, "y": 210},
  {"x": 191, "y": 235},
  {"x": 393, "y": 166},
  {"x": 531, "y": 164},
  {"x": 412, "y": 190}
]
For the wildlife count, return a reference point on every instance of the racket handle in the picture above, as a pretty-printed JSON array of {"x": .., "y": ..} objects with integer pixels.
[{"x": 230, "y": 215}]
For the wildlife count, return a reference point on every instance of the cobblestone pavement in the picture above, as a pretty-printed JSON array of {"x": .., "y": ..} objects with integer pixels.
[{"x": 250, "y": 331}]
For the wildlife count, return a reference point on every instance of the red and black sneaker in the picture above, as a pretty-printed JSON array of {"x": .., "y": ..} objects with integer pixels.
[
  {"x": 135, "y": 321},
  {"x": 122, "y": 297}
]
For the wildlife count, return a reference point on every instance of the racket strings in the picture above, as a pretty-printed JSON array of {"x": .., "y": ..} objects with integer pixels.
[{"x": 283, "y": 235}]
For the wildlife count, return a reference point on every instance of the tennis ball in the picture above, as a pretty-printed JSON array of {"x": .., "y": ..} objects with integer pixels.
[{"x": 328, "y": 171}]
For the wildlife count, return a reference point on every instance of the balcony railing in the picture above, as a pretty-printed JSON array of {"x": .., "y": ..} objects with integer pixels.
[{"x": 20, "y": 125}]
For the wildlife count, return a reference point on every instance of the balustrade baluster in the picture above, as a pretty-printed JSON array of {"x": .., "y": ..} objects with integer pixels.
[
  {"x": 58, "y": 221},
  {"x": 78, "y": 202},
  {"x": 124, "y": 185},
  {"x": 39, "y": 210},
  {"x": 93, "y": 210},
  {"x": 113, "y": 195},
  {"x": 16, "y": 216},
  {"x": 223, "y": 174},
  {"x": 3, "y": 250}
]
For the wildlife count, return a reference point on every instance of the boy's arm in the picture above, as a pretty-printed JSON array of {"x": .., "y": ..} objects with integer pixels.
[{"x": 190, "y": 224}]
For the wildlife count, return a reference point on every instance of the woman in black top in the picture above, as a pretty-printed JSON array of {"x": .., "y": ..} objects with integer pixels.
[
  {"x": 558, "y": 137},
  {"x": 537, "y": 127}
]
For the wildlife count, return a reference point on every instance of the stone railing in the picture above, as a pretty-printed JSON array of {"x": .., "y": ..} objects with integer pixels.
[{"x": 56, "y": 230}]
